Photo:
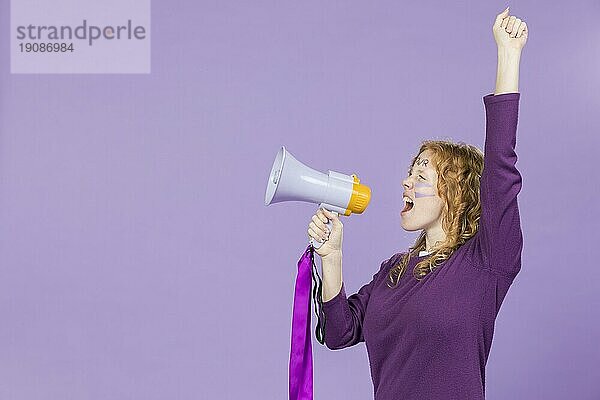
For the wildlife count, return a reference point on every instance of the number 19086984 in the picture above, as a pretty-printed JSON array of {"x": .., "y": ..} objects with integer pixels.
[{"x": 46, "y": 47}]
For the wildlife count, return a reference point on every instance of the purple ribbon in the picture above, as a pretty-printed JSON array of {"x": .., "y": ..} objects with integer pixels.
[{"x": 301, "y": 362}]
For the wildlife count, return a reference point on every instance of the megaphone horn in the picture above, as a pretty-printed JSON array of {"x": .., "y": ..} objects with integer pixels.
[{"x": 291, "y": 180}]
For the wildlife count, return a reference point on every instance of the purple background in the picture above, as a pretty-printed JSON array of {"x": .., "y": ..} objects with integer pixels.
[{"x": 138, "y": 260}]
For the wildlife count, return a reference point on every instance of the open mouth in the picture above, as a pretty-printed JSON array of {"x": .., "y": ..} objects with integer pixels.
[{"x": 408, "y": 205}]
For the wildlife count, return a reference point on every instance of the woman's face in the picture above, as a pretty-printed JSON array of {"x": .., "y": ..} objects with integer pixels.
[{"x": 421, "y": 187}]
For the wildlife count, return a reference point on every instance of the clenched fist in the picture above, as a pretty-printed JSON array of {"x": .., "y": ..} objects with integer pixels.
[
  {"x": 318, "y": 230},
  {"x": 510, "y": 32}
]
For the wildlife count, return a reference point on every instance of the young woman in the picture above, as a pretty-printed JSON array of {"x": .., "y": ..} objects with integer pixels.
[{"x": 427, "y": 317}]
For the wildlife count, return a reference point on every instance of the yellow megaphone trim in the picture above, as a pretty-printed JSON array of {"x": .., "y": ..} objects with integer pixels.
[{"x": 361, "y": 195}]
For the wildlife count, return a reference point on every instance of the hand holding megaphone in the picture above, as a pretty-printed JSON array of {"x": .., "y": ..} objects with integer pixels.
[{"x": 326, "y": 231}]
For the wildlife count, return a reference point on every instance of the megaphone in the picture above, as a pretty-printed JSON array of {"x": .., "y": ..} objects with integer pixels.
[{"x": 291, "y": 180}]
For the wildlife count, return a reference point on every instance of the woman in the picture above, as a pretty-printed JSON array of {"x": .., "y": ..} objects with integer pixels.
[{"x": 427, "y": 317}]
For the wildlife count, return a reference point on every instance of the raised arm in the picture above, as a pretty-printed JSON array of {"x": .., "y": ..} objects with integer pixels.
[{"x": 500, "y": 237}]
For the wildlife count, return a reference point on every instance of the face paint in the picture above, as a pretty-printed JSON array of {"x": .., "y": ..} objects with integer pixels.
[
  {"x": 422, "y": 161},
  {"x": 424, "y": 190}
]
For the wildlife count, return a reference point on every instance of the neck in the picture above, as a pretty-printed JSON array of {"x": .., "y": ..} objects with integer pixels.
[{"x": 434, "y": 236}]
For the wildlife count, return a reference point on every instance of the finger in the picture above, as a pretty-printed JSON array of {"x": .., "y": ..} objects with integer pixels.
[
  {"x": 318, "y": 229},
  {"x": 520, "y": 30},
  {"x": 500, "y": 17},
  {"x": 515, "y": 28},
  {"x": 524, "y": 29},
  {"x": 317, "y": 221},
  {"x": 315, "y": 235},
  {"x": 321, "y": 216},
  {"x": 322, "y": 235},
  {"x": 330, "y": 214},
  {"x": 505, "y": 22},
  {"x": 511, "y": 23}
]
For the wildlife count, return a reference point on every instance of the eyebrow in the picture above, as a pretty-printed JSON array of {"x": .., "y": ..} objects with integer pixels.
[{"x": 420, "y": 171}]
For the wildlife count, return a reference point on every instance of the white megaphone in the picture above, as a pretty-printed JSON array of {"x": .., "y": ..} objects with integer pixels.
[{"x": 290, "y": 180}]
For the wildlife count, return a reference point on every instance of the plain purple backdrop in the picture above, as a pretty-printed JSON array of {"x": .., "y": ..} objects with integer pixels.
[{"x": 138, "y": 260}]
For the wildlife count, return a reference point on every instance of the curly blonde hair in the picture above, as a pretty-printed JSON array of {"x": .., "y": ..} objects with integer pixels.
[{"x": 459, "y": 167}]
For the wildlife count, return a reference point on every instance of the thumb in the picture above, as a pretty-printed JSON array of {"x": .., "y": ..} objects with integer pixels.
[{"x": 501, "y": 16}]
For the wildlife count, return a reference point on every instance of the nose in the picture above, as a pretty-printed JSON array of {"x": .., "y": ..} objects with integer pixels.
[{"x": 407, "y": 182}]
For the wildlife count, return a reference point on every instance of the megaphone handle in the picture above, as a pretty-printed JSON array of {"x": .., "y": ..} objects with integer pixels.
[{"x": 329, "y": 224}]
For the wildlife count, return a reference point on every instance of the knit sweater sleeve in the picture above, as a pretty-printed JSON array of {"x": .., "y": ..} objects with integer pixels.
[
  {"x": 344, "y": 315},
  {"x": 499, "y": 232}
]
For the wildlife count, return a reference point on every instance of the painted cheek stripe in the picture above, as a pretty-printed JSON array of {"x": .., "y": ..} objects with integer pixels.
[
  {"x": 418, "y": 195},
  {"x": 423, "y": 186}
]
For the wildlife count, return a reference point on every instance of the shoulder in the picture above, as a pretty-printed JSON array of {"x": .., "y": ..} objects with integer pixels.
[{"x": 393, "y": 260}]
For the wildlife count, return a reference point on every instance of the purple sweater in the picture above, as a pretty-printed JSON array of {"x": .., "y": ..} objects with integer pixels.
[{"x": 431, "y": 339}]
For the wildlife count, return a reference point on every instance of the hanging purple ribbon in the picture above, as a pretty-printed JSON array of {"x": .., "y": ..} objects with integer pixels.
[{"x": 301, "y": 362}]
